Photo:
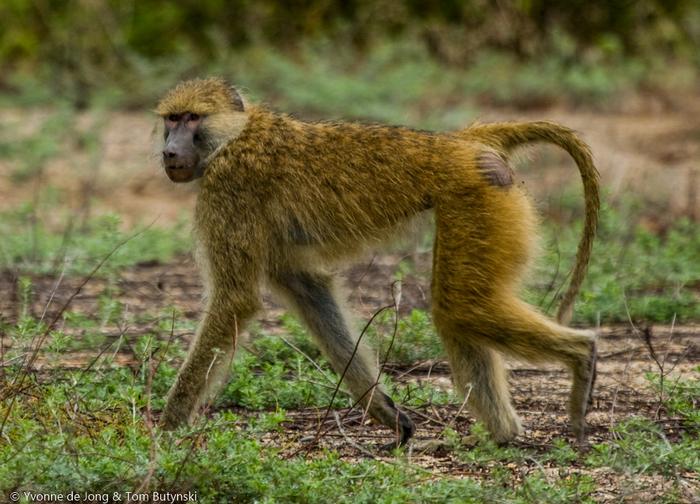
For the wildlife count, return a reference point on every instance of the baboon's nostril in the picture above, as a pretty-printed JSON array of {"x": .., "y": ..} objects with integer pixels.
[{"x": 168, "y": 154}]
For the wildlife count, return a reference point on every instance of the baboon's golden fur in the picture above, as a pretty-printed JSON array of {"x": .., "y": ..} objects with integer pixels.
[{"x": 281, "y": 199}]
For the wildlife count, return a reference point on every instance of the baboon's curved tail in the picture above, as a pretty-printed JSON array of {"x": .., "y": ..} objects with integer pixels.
[{"x": 511, "y": 135}]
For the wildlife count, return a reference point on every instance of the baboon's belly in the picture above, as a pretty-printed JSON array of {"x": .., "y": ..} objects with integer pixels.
[{"x": 338, "y": 215}]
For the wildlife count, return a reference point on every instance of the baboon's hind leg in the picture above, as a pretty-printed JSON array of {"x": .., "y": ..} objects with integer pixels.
[
  {"x": 530, "y": 335},
  {"x": 479, "y": 374},
  {"x": 482, "y": 246},
  {"x": 513, "y": 327},
  {"x": 311, "y": 295}
]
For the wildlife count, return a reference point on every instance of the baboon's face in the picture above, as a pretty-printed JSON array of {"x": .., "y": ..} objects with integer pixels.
[
  {"x": 200, "y": 116},
  {"x": 184, "y": 145}
]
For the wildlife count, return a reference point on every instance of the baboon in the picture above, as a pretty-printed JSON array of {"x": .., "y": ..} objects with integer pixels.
[{"x": 281, "y": 200}]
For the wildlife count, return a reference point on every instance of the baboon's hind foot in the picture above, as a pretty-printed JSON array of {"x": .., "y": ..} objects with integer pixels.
[{"x": 584, "y": 375}]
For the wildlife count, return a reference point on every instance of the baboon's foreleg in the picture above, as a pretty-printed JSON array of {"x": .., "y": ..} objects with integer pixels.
[
  {"x": 311, "y": 296},
  {"x": 209, "y": 358}
]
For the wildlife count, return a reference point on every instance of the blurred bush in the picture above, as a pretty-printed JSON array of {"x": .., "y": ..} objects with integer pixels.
[{"x": 80, "y": 45}]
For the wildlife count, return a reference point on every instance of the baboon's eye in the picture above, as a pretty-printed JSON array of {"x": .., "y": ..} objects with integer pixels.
[
  {"x": 194, "y": 117},
  {"x": 173, "y": 117}
]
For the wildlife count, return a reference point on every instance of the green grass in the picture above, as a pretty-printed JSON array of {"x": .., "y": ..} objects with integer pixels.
[
  {"x": 231, "y": 464},
  {"x": 399, "y": 82},
  {"x": 85, "y": 430},
  {"x": 682, "y": 398},
  {"x": 272, "y": 372},
  {"x": 29, "y": 245},
  {"x": 415, "y": 341},
  {"x": 633, "y": 275}
]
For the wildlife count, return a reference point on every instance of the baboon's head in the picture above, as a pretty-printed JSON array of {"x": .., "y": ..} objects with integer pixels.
[{"x": 199, "y": 115}]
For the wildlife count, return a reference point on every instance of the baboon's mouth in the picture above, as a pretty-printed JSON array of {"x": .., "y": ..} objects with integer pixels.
[{"x": 180, "y": 173}]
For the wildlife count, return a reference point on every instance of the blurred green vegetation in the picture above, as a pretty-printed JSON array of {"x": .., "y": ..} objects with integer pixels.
[
  {"x": 29, "y": 246},
  {"x": 530, "y": 51}
]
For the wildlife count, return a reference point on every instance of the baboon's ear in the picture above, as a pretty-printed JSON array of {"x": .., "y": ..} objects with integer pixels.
[{"x": 236, "y": 99}]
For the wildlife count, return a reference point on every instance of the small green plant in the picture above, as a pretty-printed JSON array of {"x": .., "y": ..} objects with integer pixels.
[
  {"x": 415, "y": 339},
  {"x": 484, "y": 450},
  {"x": 562, "y": 453},
  {"x": 685, "y": 401},
  {"x": 640, "y": 446},
  {"x": 272, "y": 372},
  {"x": 681, "y": 396}
]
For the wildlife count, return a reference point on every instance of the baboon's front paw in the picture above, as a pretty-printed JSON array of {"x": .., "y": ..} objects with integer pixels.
[{"x": 405, "y": 430}]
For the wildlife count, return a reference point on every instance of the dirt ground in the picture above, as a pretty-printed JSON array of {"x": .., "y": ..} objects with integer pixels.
[{"x": 650, "y": 152}]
